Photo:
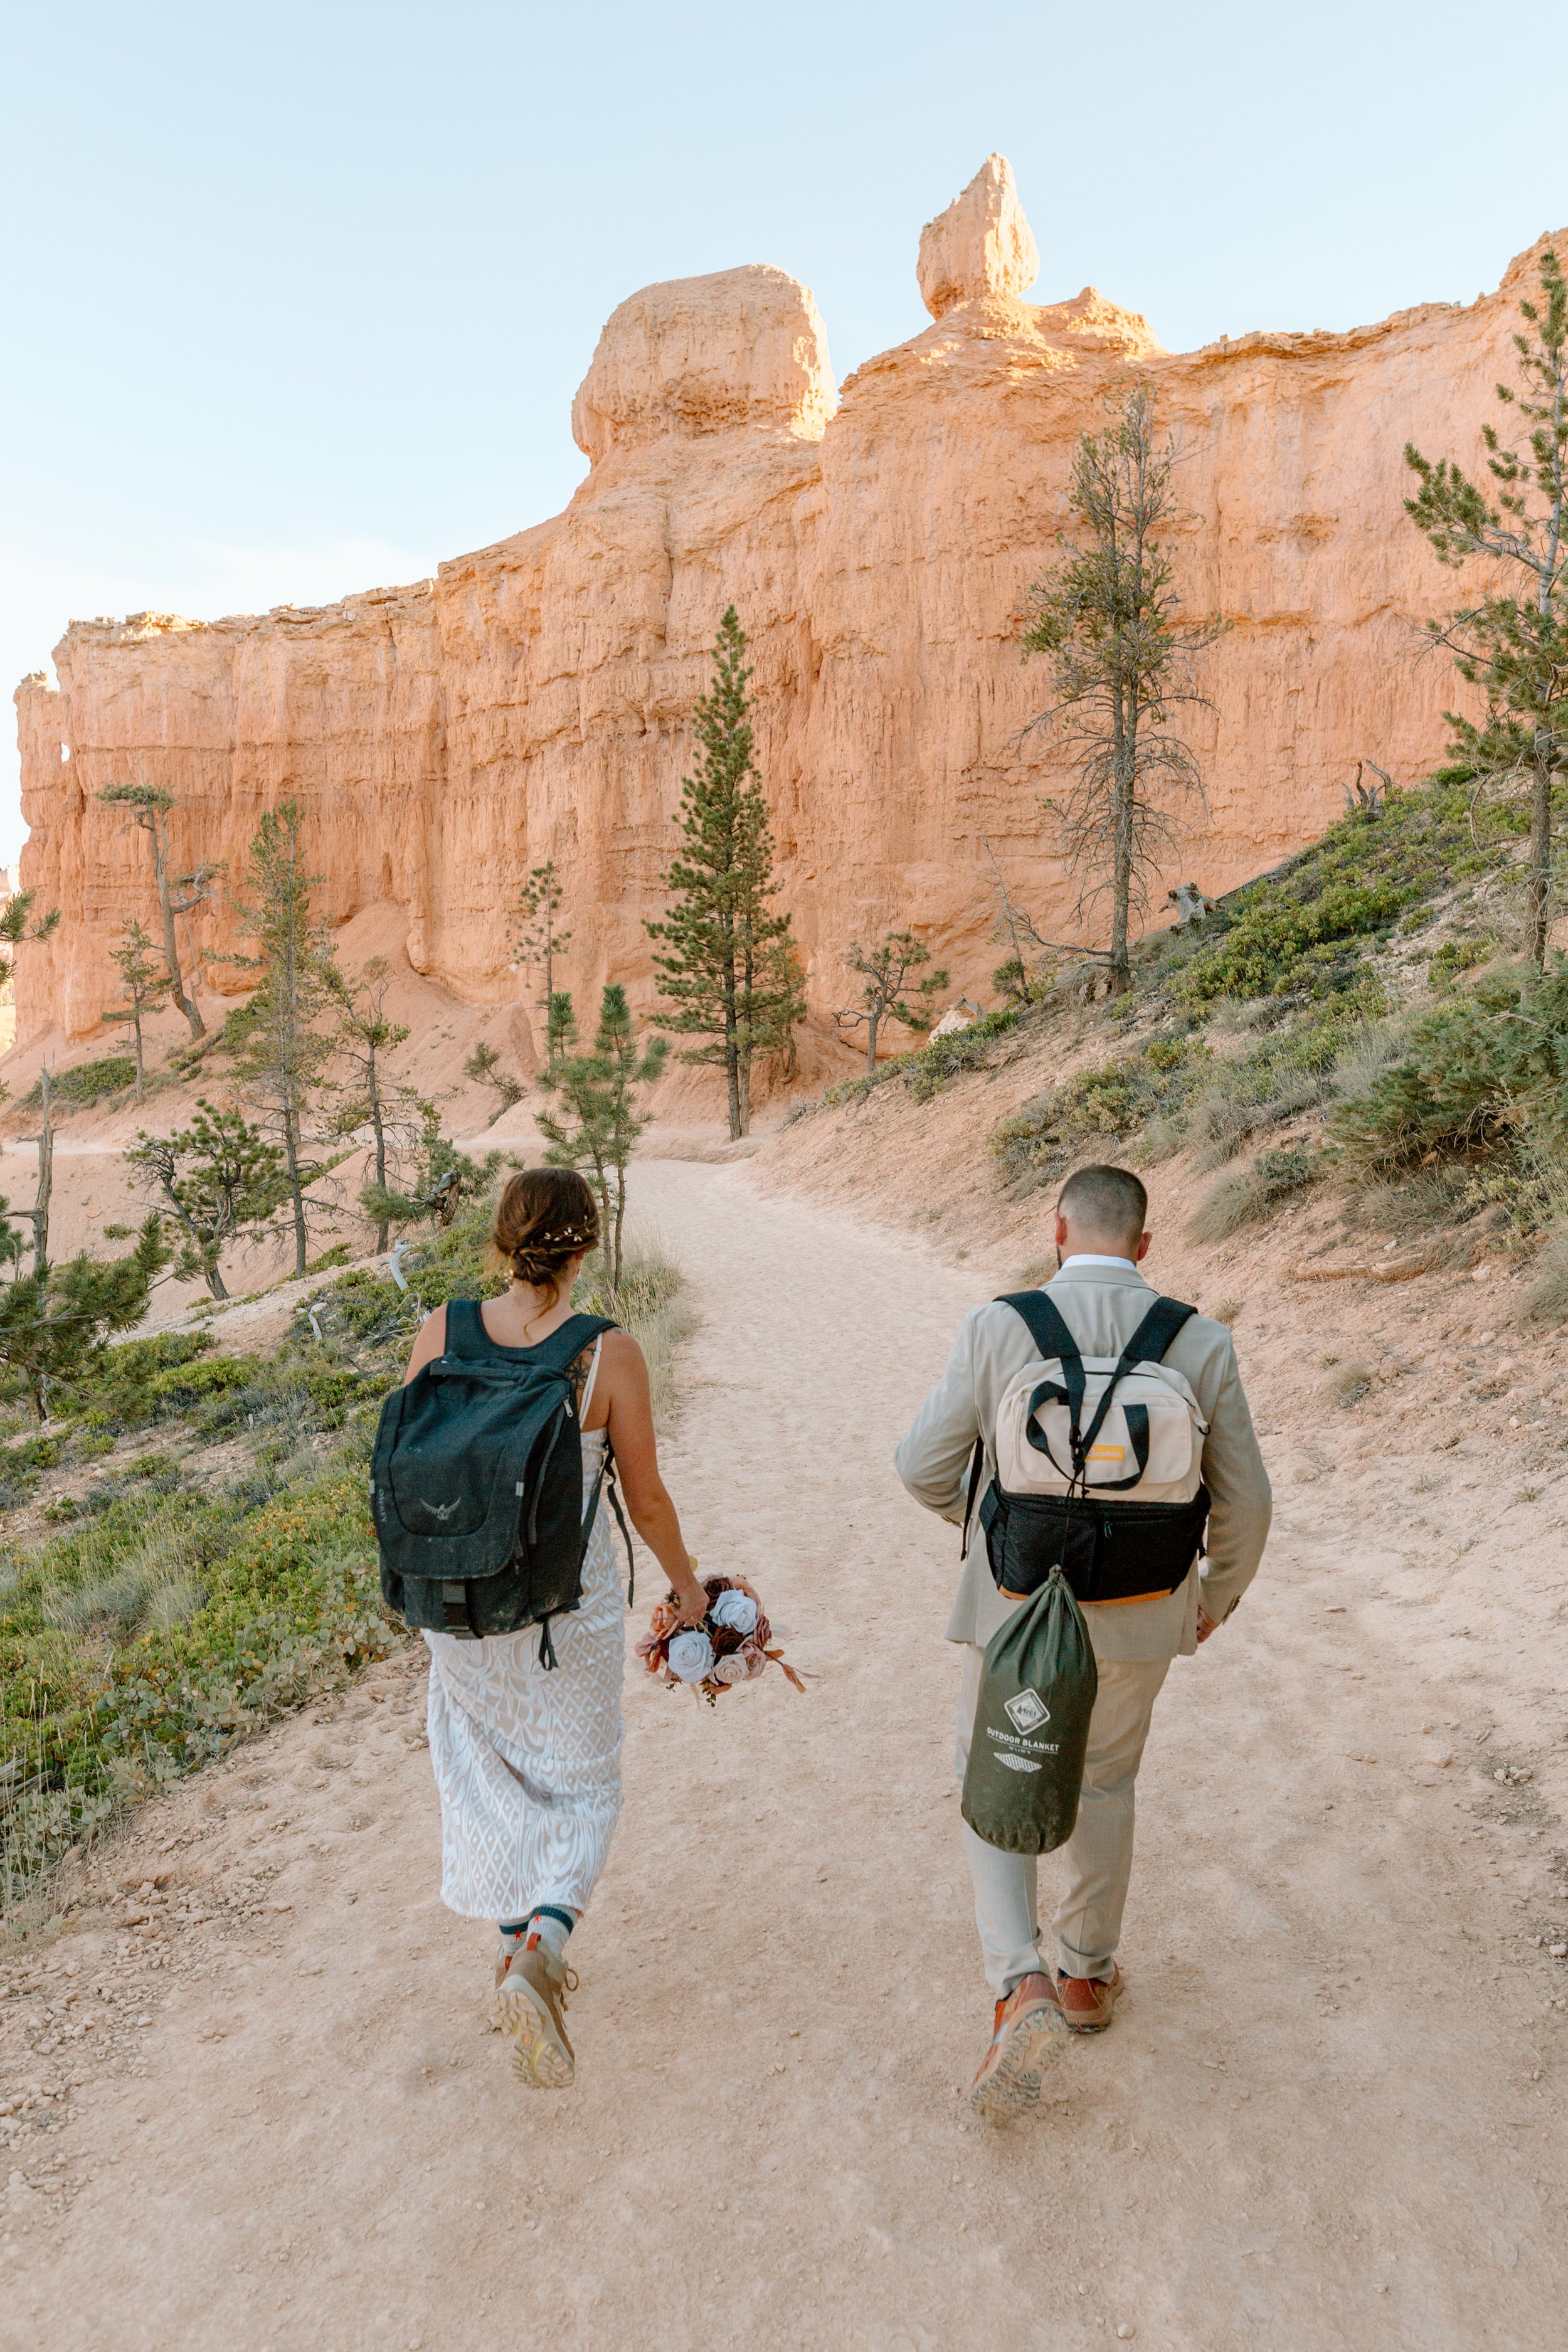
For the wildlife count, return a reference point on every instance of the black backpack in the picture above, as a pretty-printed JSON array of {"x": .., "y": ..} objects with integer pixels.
[
  {"x": 477, "y": 1484},
  {"x": 1109, "y": 1548}
]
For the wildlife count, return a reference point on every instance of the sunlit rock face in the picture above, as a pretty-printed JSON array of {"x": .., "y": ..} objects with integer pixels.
[{"x": 535, "y": 700}]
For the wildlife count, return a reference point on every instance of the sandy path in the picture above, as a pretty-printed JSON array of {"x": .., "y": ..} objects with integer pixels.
[{"x": 1328, "y": 2114}]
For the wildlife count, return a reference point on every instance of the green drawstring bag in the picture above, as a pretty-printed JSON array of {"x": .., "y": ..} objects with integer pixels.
[{"x": 1031, "y": 1725}]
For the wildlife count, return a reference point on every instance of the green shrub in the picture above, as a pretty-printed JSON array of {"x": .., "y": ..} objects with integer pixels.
[
  {"x": 117, "y": 1391},
  {"x": 90, "y": 1081},
  {"x": 182, "y": 1388},
  {"x": 927, "y": 1069},
  {"x": 1486, "y": 1069},
  {"x": 1304, "y": 933},
  {"x": 1456, "y": 956},
  {"x": 1117, "y": 1099}
]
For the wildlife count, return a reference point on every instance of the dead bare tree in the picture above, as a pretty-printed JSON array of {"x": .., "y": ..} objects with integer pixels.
[{"x": 1121, "y": 663}]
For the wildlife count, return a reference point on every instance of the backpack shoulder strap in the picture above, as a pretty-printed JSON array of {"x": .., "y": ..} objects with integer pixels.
[
  {"x": 1047, "y": 1328},
  {"x": 466, "y": 1333},
  {"x": 1153, "y": 1336},
  {"x": 563, "y": 1347}
]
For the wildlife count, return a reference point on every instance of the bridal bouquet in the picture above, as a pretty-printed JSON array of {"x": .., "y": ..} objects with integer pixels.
[{"x": 731, "y": 1646}]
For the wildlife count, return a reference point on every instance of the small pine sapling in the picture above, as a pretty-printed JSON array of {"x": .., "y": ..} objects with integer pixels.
[
  {"x": 143, "y": 983},
  {"x": 365, "y": 1035},
  {"x": 538, "y": 942},
  {"x": 598, "y": 1120},
  {"x": 891, "y": 993}
]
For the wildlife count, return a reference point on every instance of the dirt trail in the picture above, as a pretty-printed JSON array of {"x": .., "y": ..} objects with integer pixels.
[{"x": 1328, "y": 2115}]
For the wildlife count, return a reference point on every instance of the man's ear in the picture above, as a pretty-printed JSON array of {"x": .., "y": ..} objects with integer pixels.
[
  {"x": 1142, "y": 1251},
  {"x": 1062, "y": 1232}
]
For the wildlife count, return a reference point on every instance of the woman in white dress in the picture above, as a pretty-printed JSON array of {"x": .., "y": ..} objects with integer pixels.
[{"x": 527, "y": 1757}]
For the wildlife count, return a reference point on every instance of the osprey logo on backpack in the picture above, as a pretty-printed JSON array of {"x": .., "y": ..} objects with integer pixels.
[{"x": 442, "y": 1511}]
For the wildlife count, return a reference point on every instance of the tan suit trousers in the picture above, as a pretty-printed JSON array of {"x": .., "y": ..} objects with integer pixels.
[{"x": 1086, "y": 1925}]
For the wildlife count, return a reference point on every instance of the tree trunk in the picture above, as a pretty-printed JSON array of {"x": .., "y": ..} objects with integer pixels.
[
  {"x": 215, "y": 1279},
  {"x": 296, "y": 1190},
  {"x": 136, "y": 1024},
  {"x": 733, "y": 1069},
  {"x": 872, "y": 1024},
  {"x": 45, "y": 1177},
  {"x": 378, "y": 1124},
  {"x": 1538, "y": 893},
  {"x": 1121, "y": 887},
  {"x": 187, "y": 1006}
]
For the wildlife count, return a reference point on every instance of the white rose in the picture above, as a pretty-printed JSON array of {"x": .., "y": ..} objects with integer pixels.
[
  {"x": 736, "y": 1610},
  {"x": 691, "y": 1657}
]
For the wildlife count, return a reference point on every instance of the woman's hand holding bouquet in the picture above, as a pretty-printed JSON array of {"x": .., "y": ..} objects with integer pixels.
[{"x": 727, "y": 1645}]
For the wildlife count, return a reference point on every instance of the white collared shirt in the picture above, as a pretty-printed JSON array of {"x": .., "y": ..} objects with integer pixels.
[{"x": 1089, "y": 1257}]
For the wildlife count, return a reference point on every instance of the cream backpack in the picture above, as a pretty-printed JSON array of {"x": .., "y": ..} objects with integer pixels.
[{"x": 1099, "y": 1463}]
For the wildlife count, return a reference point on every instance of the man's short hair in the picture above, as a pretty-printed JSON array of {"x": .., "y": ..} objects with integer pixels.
[{"x": 1109, "y": 1201}]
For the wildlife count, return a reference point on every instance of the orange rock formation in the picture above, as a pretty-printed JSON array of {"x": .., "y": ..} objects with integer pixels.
[{"x": 533, "y": 699}]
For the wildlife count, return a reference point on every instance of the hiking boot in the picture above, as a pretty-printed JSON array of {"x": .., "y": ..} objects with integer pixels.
[
  {"x": 1089, "y": 2004},
  {"x": 532, "y": 1986},
  {"x": 1030, "y": 2032}
]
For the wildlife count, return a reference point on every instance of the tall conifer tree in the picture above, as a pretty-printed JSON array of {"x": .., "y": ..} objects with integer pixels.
[
  {"x": 1513, "y": 641},
  {"x": 730, "y": 972},
  {"x": 278, "y": 1050}
]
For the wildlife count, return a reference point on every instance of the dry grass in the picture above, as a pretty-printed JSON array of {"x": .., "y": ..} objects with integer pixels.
[{"x": 1547, "y": 1297}]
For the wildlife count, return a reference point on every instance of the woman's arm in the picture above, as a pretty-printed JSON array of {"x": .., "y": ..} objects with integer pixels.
[
  {"x": 431, "y": 1343},
  {"x": 624, "y": 1374}
]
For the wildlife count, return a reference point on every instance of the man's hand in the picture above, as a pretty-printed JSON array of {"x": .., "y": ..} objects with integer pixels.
[{"x": 1206, "y": 1624}]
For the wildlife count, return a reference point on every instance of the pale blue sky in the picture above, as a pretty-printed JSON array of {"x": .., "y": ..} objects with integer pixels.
[{"x": 296, "y": 297}]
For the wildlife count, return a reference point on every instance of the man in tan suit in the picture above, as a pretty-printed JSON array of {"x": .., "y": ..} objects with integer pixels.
[{"x": 1102, "y": 1299}]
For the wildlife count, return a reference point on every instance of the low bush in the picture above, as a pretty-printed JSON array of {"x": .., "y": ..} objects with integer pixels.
[
  {"x": 1304, "y": 933},
  {"x": 1484, "y": 1071},
  {"x": 1117, "y": 1099},
  {"x": 89, "y": 1082},
  {"x": 1246, "y": 1194}
]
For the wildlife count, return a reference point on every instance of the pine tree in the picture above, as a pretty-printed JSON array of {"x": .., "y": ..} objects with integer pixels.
[
  {"x": 890, "y": 987},
  {"x": 440, "y": 1178},
  {"x": 365, "y": 1036},
  {"x": 178, "y": 894},
  {"x": 215, "y": 1181},
  {"x": 52, "y": 1321},
  {"x": 538, "y": 943},
  {"x": 731, "y": 971},
  {"x": 142, "y": 983},
  {"x": 601, "y": 1121},
  {"x": 279, "y": 1052},
  {"x": 1107, "y": 617},
  {"x": 1514, "y": 645}
]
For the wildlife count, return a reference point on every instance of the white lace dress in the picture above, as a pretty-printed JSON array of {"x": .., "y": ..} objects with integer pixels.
[{"x": 528, "y": 1759}]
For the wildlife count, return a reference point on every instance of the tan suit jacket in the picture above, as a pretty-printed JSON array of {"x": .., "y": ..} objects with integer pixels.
[{"x": 1102, "y": 1305}]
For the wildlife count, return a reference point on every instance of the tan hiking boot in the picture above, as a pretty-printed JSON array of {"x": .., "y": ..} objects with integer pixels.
[
  {"x": 1089, "y": 2004},
  {"x": 1030, "y": 2032},
  {"x": 532, "y": 1986}
]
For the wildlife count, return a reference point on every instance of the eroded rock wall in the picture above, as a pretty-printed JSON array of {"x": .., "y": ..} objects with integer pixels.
[{"x": 535, "y": 699}]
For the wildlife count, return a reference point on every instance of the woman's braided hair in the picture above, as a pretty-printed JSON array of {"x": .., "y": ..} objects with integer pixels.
[{"x": 547, "y": 1217}]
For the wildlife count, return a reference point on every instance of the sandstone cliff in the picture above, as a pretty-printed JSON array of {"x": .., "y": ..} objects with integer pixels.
[{"x": 533, "y": 699}]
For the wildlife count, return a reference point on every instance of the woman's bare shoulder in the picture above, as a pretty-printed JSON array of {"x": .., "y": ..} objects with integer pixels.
[{"x": 621, "y": 1352}]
